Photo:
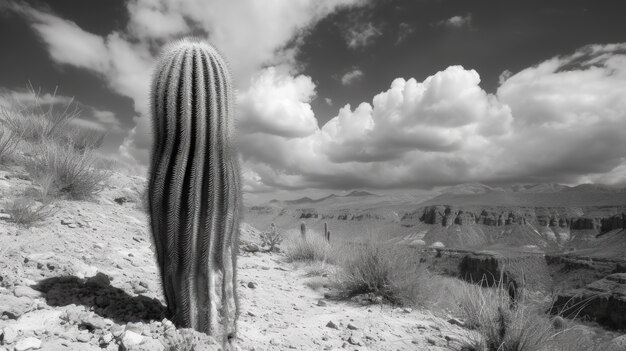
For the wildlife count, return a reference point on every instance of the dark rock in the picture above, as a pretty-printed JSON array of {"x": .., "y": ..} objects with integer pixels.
[
  {"x": 332, "y": 325},
  {"x": 603, "y": 300}
]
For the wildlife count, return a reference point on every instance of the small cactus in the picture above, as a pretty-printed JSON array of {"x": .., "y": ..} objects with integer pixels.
[
  {"x": 194, "y": 187},
  {"x": 326, "y": 232},
  {"x": 303, "y": 230}
]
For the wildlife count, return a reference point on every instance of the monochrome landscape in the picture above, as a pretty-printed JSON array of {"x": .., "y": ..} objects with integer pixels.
[{"x": 312, "y": 175}]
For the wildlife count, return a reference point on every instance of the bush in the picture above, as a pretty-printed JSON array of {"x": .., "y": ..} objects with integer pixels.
[
  {"x": 503, "y": 327},
  {"x": 385, "y": 270},
  {"x": 8, "y": 142},
  {"x": 313, "y": 248},
  {"x": 70, "y": 172},
  {"x": 38, "y": 121},
  {"x": 272, "y": 238},
  {"x": 27, "y": 212}
]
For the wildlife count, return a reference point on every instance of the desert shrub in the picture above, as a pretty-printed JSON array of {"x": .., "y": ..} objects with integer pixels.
[
  {"x": 27, "y": 212},
  {"x": 39, "y": 120},
  {"x": 271, "y": 238},
  {"x": 69, "y": 172},
  {"x": 386, "y": 270},
  {"x": 8, "y": 143},
  {"x": 313, "y": 248},
  {"x": 502, "y": 327}
]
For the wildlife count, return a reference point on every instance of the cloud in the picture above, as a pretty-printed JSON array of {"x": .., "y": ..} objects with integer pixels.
[
  {"x": 352, "y": 76},
  {"x": 457, "y": 21},
  {"x": 124, "y": 59},
  {"x": 361, "y": 34},
  {"x": 404, "y": 31},
  {"x": 559, "y": 121},
  {"x": 328, "y": 101},
  {"x": 570, "y": 114},
  {"x": 277, "y": 104},
  {"x": 108, "y": 119}
]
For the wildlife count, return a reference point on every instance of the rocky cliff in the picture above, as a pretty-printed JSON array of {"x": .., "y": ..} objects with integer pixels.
[{"x": 601, "y": 220}]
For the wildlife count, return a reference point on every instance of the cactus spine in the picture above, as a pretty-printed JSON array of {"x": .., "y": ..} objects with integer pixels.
[
  {"x": 194, "y": 187},
  {"x": 303, "y": 230}
]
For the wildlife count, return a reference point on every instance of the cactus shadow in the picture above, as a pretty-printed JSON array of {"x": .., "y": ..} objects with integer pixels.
[{"x": 99, "y": 295}]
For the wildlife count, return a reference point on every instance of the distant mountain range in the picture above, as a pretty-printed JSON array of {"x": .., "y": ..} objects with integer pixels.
[
  {"x": 546, "y": 194},
  {"x": 308, "y": 200}
]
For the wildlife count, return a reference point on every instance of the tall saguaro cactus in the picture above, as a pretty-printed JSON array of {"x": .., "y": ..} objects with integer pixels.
[{"x": 194, "y": 187}]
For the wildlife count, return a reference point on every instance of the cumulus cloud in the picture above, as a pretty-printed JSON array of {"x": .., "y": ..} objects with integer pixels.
[
  {"x": 351, "y": 76},
  {"x": 277, "y": 104},
  {"x": 560, "y": 121},
  {"x": 457, "y": 21},
  {"x": 328, "y": 101},
  {"x": 124, "y": 59},
  {"x": 570, "y": 114}
]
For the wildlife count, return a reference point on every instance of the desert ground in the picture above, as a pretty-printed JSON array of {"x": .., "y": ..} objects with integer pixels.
[{"x": 85, "y": 278}]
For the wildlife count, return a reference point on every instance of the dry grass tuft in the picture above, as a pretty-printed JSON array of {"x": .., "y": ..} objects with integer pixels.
[
  {"x": 313, "y": 248},
  {"x": 26, "y": 212},
  {"x": 71, "y": 173},
  {"x": 385, "y": 270},
  {"x": 503, "y": 327},
  {"x": 8, "y": 143}
]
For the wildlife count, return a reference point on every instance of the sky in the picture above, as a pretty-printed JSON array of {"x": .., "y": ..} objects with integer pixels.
[{"x": 334, "y": 95}]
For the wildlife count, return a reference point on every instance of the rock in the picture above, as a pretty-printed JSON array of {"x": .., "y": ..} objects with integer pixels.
[
  {"x": 117, "y": 330},
  {"x": 250, "y": 247},
  {"x": 9, "y": 334},
  {"x": 352, "y": 326},
  {"x": 130, "y": 338},
  {"x": 84, "y": 337},
  {"x": 148, "y": 345},
  {"x": 106, "y": 338},
  {"x": 13, "y": 306},
  {"x": 26, "y": 291},
  {"x": 138, "y": 288},
  {"x": 617, "y": 344},
  {"x": 275, "y": 341},
  {"x": 29, "y": 343},
  {"x": 603, "y": 300},
  {"x": 455, "y": 321},
  {"x": 437, "y": 245},
  {"x": 67, "y": 221},
  {"x": 355, "y": 340},
  {"x": 321, "y": 303},
  {"x": 431, "y": 341},
  {"x": 332, "y": 325},
  {"x": 559, "y": 323},
  {"x": 252, "y": 285},
  {"x": 407, "y": 310}
]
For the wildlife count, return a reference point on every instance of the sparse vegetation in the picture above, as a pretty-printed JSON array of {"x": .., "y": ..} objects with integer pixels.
[
  {"x": 313, "y": 249},
  {"x": 8, "y": 143},
  {"x": 271, "y": 239},
  {"x": 499, "y": 327},
  {"x": 389, "y": 271},
  {"x": 27, "y": 212},
  {"x": 37, "y": 120},
  {"x": 70, "y": 172}
]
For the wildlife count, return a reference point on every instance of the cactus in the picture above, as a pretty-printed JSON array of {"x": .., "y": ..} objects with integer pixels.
[
  {"x": 194, "y": 188},
  {"x": 303, "y": 230},
  {"x": 326, "y": 232}
]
